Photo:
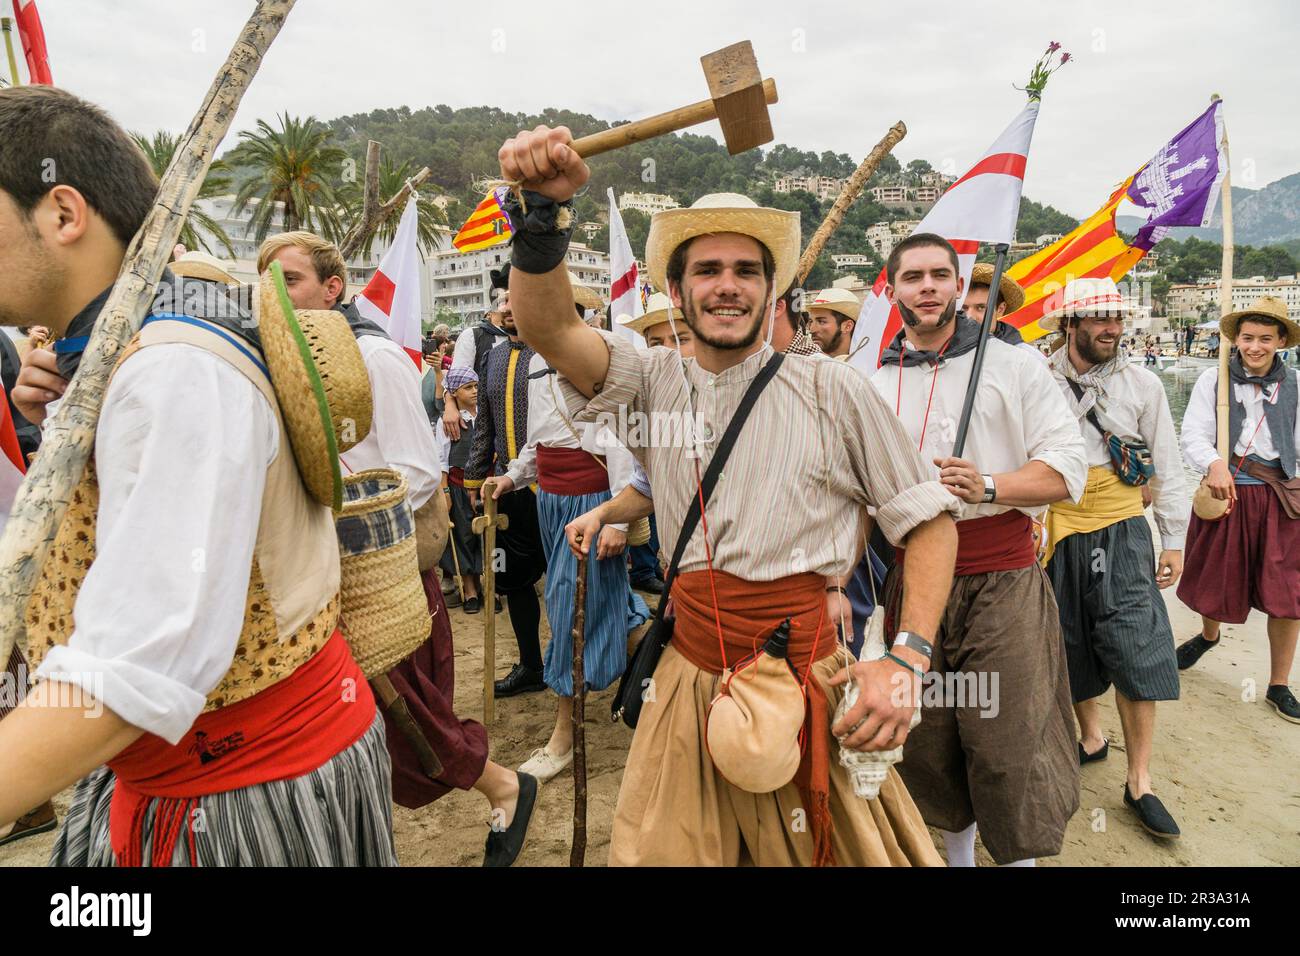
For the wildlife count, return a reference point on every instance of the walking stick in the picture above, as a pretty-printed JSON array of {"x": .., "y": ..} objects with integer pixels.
[
  {"x": 968, "y": 405},
  {"x": 579, "y": 851},
  {"x": 42, "y": 499},
  {"x": 487, "y": 525},
  {"x": 455, "y": 561}
]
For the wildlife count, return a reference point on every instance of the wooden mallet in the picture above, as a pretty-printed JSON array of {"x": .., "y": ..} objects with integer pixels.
[
  {"x": 487, "y": 524},
  {"x": 738, "y": 100}
]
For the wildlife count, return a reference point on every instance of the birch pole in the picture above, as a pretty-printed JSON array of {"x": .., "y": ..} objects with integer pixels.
[
  {"x": 852, "y": 189},
  {"x": 7, "y": 26},
  {"x": 42, "y": 499},
  {"x": 1225, "y": 300}
]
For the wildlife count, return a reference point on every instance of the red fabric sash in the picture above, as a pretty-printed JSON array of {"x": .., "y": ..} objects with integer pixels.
[
  {"x": 1002, "y": 542},
  {"x": 570, "y": 471},
  {"x": 456, "y": 476},
  {"x": 285, "y": 731},
  {"x": 750, "y": 611}
]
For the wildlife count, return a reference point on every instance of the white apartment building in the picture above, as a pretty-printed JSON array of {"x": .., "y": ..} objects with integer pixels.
[
  {"x": 890, "y": 195},
  {"x": 648, "y": 203},
  {"x": 823, "y": 187},
  {"x": 927, "y": 194},
  {"x": 460, "y": 282},
  {"x": 883, "y": 236},
  {"x": 850, "y": 260},
  {"x": 1186, "y": 301},
  {"x": 1047, "y": 238}
]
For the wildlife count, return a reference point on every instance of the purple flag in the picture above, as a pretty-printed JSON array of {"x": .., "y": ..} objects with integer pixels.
[{"x": 1180, "y": 184}]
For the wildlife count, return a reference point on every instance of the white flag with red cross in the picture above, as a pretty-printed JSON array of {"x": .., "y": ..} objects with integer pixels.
[
  {"x": 624, "y": 283},
  {"x": 391, "y": 299}
]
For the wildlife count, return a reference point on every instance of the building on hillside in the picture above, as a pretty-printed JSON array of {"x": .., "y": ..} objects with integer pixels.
[
  {"x": 1045, "y": 240},
  {"x": 461, "y": 283},
  {"x": 1187, "y": 302},
  {"x": 855, "y": 284},
  {"x": 883, "y": 236},
  {"x": 648, "y": 203},
  {"x": 851, "y": 260},
  {"x": 937, "y": 179},
  {"x": 891, "y": 195},
  {"x": 589, "y": 230},
  {"x": 927, "y": 194},
  {"x": 823, "y": 187}
]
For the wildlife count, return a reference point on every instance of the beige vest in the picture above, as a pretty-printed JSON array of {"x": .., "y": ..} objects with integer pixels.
[{"x": 292, "y": 606}]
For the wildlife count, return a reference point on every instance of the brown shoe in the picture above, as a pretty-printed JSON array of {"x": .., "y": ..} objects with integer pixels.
[{"x": 40, "y": 820}]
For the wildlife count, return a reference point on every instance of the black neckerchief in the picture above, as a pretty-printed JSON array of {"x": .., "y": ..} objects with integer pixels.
[
  {"x": 965, "y": 336},
  {"x": 1007, "y": 333},
  {"x": 1279, "y": 413},
  {"x": 195, "y": 298},
  {"x": 357, "y": 323}
]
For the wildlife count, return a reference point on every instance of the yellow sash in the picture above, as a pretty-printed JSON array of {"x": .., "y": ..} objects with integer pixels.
[{"x": 1106, "y": 500}]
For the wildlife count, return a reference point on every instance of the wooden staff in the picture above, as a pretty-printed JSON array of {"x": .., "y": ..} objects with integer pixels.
[
  {"x": 579, "y": 851},
  {"x": 42, "y": 499},
  {"x": 852, "y": 189},
  {"x": 455, "y": 560},
  {"x": 487, "y": 524},
  {"x": 1225, "y": 302},
  {"x": 7, "y": 25},
  {"x": 373, "y": 213}
]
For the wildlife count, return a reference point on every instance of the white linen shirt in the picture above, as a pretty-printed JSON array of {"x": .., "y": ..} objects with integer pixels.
[
  {"x": 181, "y": 451},
  {"x": 1018, "y": 417},
  {"x": 465, "y": 352},
  {"x": 400, "y": 435},
  {"x": 1200, "y": 436}
]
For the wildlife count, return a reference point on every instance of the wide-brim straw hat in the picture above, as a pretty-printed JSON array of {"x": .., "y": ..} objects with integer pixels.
[
  {"x": 836, "y": 300},
  {"x": 753, "y": 725},
  {"x": 1268, "y": 307},
  {"x": 200, "y": 265},
  {"x": 384, "y": 612},
  {"x": 1009, "y": 290},
  {"x": 777, "y": 229},
  {"x": 585, "y": 296},
  {"x": 1087, "y": 298},
  {"x": 658, "y": 309},
  {"x": 320, "y": 381}
]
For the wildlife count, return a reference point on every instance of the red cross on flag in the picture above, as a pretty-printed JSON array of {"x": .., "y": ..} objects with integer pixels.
[
  {"x": 981, "y": 206},
  {"x": 624, "y": 287},
  {"x": 32, "y": 36},
  {"x": 391, "y": 299}
]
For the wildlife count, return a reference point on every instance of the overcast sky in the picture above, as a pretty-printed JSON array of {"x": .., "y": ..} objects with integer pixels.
[{"x": 845, "y": 70}]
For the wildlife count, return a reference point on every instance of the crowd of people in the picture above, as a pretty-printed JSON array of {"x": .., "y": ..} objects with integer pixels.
[{"x": 832, "y": 563}]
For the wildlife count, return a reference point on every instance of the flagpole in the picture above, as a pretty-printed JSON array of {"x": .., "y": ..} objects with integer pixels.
[
  {"x": 7, "y": 25},
  {"x": 1225, "y": 298},
  {"x": 968, "y": 405}
]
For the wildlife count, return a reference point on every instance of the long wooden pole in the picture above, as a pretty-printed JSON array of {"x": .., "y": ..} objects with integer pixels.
[
  {"x": 7, "y": 26},
  {"x": 578, "y": 853},
  {"x": 852, "y": 189},
  {"x": 357, "y": 236},
  {"x": 42, "y": 499},
  {"x": 1225, "y": 301}
]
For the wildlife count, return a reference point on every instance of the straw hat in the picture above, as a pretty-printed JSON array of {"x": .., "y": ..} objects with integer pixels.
[
  {"x": 753, "y": 726},
  {"x": 585, "y": 296},
  {"x": 1009, "y": 290},
  {"x": 320, "y": 381},
  {"x": 1268, "y": 306},
  {"x": 837, "y": 300},
  {"x": 777, "y": 229},
  {"x": 657, "y": 311},
  {"x": 200, "y": 265},
  {"x": 1087, "y": 298}
]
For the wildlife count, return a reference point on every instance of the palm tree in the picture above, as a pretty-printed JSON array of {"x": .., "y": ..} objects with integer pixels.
[
  {"x": 296, "y": 166},
  {"x": 159, "y": 150},
  {"x": 391, "y": 180}
]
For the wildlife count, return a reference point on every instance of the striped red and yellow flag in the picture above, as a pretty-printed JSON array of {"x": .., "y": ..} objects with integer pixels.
[
  {"x": 487, "y": 225},
  {"x": 1092, "y": 250}
]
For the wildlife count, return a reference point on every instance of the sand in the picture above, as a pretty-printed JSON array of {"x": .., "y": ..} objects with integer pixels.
[{"x": 1224, "y": 764}]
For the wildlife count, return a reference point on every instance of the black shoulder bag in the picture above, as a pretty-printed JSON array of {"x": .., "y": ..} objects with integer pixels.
[{"x": 640, "y": 669}]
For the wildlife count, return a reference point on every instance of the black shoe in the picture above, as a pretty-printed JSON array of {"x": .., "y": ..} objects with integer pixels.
[
  {"x": 1189, "y": 652},
  {"x": 649, "y": 585},
  {"x": 31, "y": 823},
  {"x": 504, "y": 846},
  {"x": 1101, "y": 754},
  {"x": 472, "y": 605},
  {"x": 520, "y": 680},
  {"x": 496, "y": 603},
  {"x": 1281, "y": 699},
  {"x": 1155, "y": 818}
]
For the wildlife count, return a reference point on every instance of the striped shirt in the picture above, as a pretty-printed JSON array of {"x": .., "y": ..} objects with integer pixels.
[{"x": 819, "y": 447}]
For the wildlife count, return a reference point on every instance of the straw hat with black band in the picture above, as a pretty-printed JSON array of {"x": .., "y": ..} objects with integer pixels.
[
  {"x": 777, "y": 229},
  {"x": 320, "y": 381},
  {"x": 1265, "y": 307},
  {"x": 1009, "y": 290}
]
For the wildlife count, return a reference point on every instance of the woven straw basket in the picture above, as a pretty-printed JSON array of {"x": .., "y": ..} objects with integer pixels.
[{"x": 385, "y": 615}]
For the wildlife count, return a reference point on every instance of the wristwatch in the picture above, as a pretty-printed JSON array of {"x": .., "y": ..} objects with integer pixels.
[
  {"x": 914, "y": 642},
  {"x": 990, "y": 490}
]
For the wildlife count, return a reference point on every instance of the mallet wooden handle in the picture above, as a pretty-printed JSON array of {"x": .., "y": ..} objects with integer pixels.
[{"x": 652, "y": 126}]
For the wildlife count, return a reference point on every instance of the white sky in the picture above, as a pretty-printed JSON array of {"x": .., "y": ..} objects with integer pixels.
[{"x": 845, "y": 71}]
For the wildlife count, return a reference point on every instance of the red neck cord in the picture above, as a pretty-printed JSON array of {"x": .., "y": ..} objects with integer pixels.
[{"x": 934, "y": 378}]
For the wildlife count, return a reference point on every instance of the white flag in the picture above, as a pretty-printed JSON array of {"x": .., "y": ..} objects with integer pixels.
[
  {"x": 391, "y": 299},
  {"x": 624, "y": 284}
]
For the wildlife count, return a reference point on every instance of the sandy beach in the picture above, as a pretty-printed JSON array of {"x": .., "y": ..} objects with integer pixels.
[{"x": 1224, "y": 763}]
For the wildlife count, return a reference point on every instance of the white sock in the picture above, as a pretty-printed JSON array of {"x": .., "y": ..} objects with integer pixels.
[
  {"x": 960, "y": 846},
  {"x": 1029, "y": 862}
]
